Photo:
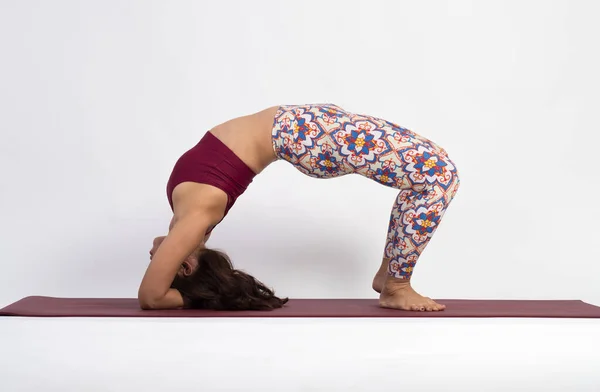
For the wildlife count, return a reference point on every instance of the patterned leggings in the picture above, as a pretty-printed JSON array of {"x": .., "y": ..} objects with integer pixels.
[{"x": 324, "y": 141}]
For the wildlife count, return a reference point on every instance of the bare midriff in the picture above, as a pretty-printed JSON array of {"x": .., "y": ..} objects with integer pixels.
[{"x": 249, "y": 137}]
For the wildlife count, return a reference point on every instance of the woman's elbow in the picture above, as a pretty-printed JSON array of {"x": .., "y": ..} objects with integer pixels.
[
  {"x": 145, "y": 304},
  {"x": 147, "y": 301}
]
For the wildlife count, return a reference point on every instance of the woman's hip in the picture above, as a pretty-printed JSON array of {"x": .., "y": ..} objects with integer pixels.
[{"x": 326, "y": 141}]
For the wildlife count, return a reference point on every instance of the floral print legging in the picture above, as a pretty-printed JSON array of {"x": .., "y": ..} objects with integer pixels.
[{"x": 325, "y": 141}]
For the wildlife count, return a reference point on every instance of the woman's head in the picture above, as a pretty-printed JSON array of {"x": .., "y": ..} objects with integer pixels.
[
  {"x": 188, "y": 266},
  {"x": 215, "y": 284}
]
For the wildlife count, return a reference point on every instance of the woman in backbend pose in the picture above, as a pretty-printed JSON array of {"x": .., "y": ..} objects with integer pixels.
[{"x": 321, "y": 141}]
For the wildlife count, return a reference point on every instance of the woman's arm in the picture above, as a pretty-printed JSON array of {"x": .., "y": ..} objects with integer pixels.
[
  {"x": 186, "y": 234},
  {"x": 197, "y": 208}
]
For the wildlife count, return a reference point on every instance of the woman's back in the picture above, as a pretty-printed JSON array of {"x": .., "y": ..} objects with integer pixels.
[{"x": 249, "y": 137}]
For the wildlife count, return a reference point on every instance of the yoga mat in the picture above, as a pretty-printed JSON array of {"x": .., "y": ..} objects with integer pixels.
[{"x": 37, "y": 306}]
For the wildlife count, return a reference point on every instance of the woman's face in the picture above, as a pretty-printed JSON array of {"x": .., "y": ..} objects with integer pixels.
[
  {"x": 155, "y": 245},
  {"x": 188, "y": 266}
]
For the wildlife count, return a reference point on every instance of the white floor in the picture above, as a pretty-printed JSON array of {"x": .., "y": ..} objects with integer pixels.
[{"x": 299, "y": 355}]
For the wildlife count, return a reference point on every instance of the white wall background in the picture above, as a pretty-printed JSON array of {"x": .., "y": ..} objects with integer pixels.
[{"x": 99, "y": 98}]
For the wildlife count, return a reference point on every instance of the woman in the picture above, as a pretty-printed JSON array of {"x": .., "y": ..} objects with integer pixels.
[{"x": 321, "y": 141}]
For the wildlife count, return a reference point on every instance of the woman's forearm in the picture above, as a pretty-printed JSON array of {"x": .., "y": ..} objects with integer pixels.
[{"x": 171, "y": 300}]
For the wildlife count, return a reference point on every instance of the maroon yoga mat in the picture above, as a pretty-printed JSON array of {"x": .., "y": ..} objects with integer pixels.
[{"x": 127, "y": 307}]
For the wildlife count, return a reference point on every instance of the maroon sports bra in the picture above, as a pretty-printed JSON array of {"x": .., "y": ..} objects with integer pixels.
[{"x": 212, "y": 162}]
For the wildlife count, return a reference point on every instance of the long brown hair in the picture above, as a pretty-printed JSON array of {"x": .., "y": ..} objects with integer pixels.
[{"x": 215, "y": 284}]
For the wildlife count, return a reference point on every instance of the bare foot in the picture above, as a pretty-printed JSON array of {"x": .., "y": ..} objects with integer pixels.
[
  {"x": 380, "y": 276},
  {"x": 398, "y": 294}
]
